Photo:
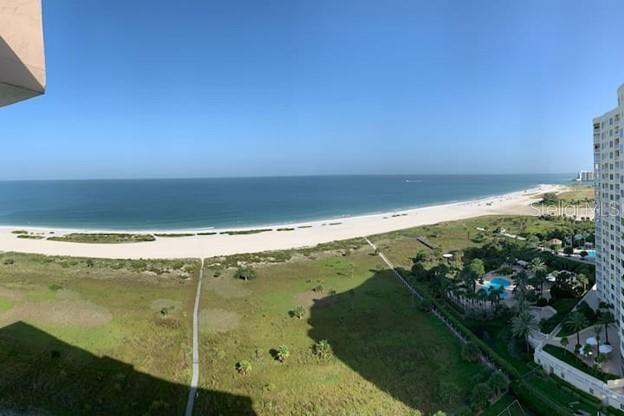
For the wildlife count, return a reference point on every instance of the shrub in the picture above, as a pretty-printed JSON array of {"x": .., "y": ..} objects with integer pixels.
[
  {"x": 282, "y": 353},
  {"x": 245, "y": 273},
  {"x": 323, "y": 350},
  {"x": 498, "y": 382},
  {"x": 470, "y": 352},
  {"x": 318, "y": 289},
  {"x": 506, "y": 271},
  {"x": 448, "y": 392},
  {"x": 480, "y": 396},
  {"x": 586, "y": 310},
  {"x": 537, "y": 401},
  {"x": 9, "y": 261},
  {"x": 298, "y": 312},
  {"x": 542, "y": 302},
  {"x": 568, "y": 250},
  {"x": 243, "y": 367}
]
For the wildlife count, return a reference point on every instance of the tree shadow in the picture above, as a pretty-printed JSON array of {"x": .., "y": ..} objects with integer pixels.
[
  {"x": 372, "y": 328},
  {"x": 43, "y": 373}
]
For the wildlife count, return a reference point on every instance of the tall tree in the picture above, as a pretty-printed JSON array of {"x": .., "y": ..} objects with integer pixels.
[
  {"x": 473, "y": 272},
  {"x": 522, "y": 325},
  {"x": 576, "y": 322},
  {"x": 482, "y": 296},
  {"x": 582, "y": 280},
  {"x": 606, "y": 318},
  {"x": 538, "y": 268}
]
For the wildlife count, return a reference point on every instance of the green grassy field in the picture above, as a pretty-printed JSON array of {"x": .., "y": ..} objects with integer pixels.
[
  {"x": 103, "y": 238},
  {"x": 78, "y": 334},
  {"x": 389, "y": 358},
  {"x": 574, "y": 195},
  {"x": 578, "y": 193}
]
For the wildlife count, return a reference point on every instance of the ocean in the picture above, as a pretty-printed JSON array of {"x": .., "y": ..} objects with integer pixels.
[{"x": 170, "y": 204}]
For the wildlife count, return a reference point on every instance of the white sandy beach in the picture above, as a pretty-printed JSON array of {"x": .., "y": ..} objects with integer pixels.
[{"x": 316, "y": 232}]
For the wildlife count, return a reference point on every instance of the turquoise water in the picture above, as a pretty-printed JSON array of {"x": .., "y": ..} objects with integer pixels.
[
  {"x": 228, "y": 202},
  {"x": 591, "y": 253},
  {"x": 497, "y": 282}
]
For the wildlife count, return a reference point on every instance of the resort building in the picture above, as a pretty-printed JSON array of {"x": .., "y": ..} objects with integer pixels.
[
  {"x": 585, "y": 176},
  {"x": 22, "y": 64},
  {"x": 609, "y": 188}
]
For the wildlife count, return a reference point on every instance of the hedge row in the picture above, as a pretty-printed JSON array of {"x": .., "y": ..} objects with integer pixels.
[
  {"x": 537, "y": 401},
  {"x": 584, "y": 397}
]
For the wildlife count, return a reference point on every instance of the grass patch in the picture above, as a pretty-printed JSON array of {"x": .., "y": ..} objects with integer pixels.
[
  {"x": 391, "y": 356},
  {"x": 31, "y": 236},
  {"x": 174, "y": 234},
  {"x": 103, "y": 238},
  {"x": 76, "y": 333},
  {"x": 246, "y": 232}
]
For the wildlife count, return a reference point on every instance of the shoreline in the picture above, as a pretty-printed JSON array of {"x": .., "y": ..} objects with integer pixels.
[
  {"x": 312, "y": 233},
  {"x": 541, "y": 188}
]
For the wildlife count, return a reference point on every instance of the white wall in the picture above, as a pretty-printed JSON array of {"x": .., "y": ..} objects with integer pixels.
[{"x": 581, "y": 380}]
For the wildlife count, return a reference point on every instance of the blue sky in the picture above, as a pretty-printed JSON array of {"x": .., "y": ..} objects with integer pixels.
[{"x": 197, "y": 88}]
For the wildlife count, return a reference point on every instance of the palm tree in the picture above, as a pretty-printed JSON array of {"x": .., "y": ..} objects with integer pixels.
[
  {"x": 494, "y": 296},
  {"x": 522, "y": 281},
  {"x": 606, "y": 318},
  {"x": 538, "y": 268},
  {"x": 582, "y": 280},
  {"x": 564, "y": 343},
  {"x": 597, "y": 331},
  {"x": 576, "y": 322},
  {"x": 482, "y": 295},
  {"x": 522, "y": 325}
]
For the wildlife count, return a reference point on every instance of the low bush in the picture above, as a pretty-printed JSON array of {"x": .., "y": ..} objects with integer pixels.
[
  {"x": 245, "y": 273},
  {"x": 297, "y": 312},
  {"x": 243, "y": 367},
  {"x": 470, "y": 352},
  {"x": 282, "y": 353},
  {"x": 322, "y": 350}
]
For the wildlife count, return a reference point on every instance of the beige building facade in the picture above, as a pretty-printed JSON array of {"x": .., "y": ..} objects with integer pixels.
[{"x": 22, "y": 62}]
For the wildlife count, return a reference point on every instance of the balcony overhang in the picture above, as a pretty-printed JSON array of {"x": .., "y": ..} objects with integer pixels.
[{"x": 22, "y": 62}]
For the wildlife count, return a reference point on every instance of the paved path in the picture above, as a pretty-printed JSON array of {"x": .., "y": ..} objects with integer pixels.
[{"x": 195, "y": 377}]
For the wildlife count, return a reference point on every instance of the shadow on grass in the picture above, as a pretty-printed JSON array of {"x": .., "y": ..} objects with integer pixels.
[
  {"x": 376, "y": 330},
  {"x": 39, "y": 371}
]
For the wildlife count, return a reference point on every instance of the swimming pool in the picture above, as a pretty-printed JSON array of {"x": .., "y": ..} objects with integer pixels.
[
  {"x": 497, "y": 282},
  {"x": 591, "y": 253}
]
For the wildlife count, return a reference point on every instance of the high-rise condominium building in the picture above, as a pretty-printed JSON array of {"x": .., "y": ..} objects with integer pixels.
[
  {"x": 22, "y": 65},
  {"x": 609, "y": 188}
]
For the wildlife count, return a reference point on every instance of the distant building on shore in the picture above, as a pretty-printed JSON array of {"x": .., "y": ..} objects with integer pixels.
[
  {"x": 22, "y": 63},
  {"x": 609, "y": 177},
  {"x": 585, "y": 176}
]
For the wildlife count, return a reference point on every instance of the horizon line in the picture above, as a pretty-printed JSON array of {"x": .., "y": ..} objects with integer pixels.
[{"x": 281, "y": 176}]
